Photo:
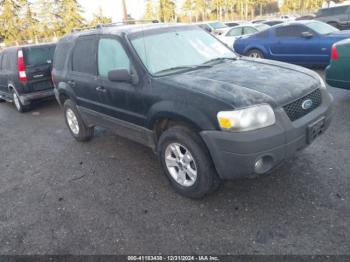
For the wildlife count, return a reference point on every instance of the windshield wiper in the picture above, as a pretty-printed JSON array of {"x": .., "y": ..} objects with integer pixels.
[
  {"x": 219, "y": 59},
  {"x": 181, "y": 68}
]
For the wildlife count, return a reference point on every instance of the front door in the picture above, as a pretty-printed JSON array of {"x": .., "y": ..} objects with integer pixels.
[{"x": 121, "y": 100}]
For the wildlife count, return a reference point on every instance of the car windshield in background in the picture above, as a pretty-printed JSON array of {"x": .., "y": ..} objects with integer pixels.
[
  {"x": 262, "y": 27},
  {"x": 179, "y": 50},
  {"x": 35, "y": 56},
  {"x": 322, "y": 28},
  {"x": 217, "y": 25}
]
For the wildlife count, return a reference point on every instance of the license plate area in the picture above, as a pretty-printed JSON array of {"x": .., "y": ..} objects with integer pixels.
[{"x": 315, "y": 130}]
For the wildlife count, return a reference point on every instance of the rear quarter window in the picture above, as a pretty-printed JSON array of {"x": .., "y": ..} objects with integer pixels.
[
  {"x": 84, "y": 55},
  {"x": 35, "y": 56},
  {"x": 61, "y": 54}
]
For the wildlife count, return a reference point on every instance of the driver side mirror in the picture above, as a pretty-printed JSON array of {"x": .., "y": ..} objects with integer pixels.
[
  {"x": 307, "y": 34},
  {"x": 119, "y": 75}
]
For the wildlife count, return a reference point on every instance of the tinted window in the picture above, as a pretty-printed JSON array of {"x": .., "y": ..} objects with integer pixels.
[
  {"x": 61, "y": 55},
  {"x": 111, "y": 55},
  {"x": 291, "y": 31},
  {"x": 235, "y": 32},
  {"x": 34, "y": 56},
  {"x": 249, "y": 30},
  {"x": 333, "y": 11},
  {"x": 5, "y": 63},
  {"x": 84, "y": 55}
]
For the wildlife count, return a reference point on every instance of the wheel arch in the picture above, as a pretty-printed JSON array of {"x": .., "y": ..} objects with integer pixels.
[{"x": 65, "y": 92}]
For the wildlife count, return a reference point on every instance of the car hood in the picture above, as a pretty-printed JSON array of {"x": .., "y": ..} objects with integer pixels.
[{"x": 247, "y": 82}]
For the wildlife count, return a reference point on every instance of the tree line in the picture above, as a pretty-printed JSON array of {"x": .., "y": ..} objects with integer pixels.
[
  {"x": 199, "y": 10},
  {"x": 24, "y": 21}
]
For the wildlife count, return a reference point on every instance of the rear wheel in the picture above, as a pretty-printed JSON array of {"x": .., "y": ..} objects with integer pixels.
[
  {"x": 18, "y": 104},
  {"x": 79, "y": 130},
  {"x": 255, "y": 53},
  {"x": 186, "y": 162}
]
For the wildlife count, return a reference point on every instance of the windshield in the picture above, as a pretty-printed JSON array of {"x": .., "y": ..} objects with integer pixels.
[
  {"x": 179, "y": 48},
  {"x": 262, "y": 27},
  {"x": 217, "y": 25},
  {"x": 322, "y": 28}
]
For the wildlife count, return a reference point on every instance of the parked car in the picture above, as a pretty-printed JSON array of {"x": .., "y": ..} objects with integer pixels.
[
  {"x": 234, "y": 23},
  {"x": 25, "y": 74},
  {"x": 306, "y": 17},
  {"x": 181, "y": 92},
  {"x": 337, "y": 16},
  {"x": 306, "y": 43},
  {"x": 214, "y": 27},
  {"x": 273, "y": 22},
  {"x": 337, "y": 73},
  {"x": 231, "y": 34}
]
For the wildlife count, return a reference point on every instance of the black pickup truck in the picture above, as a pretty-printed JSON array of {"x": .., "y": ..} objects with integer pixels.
[
  {"x": 209, "y": 114},
  {"x": 25, "y": 74}
]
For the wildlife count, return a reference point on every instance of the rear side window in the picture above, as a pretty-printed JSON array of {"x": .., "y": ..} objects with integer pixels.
[
  {"x": 61, "y": 55},
  {"x": 249, "y": 30},
  {"x": 235, "y": 32},
  {"x": 84, "y": 55},
  {"x": 111, "y": 55},
  {"x": 34, "y": 56}
]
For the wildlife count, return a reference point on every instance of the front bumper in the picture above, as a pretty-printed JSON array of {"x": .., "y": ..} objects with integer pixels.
[
  {"x": 236, "y": 154},
  {"x": 27, "y": 98}
]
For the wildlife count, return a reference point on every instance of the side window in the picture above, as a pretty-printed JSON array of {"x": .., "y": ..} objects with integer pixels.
[
  {"x": 5, "y": 62},
  {"x": 84, "y": 55},
  {"x": 0, "y": 61},
  {"x": 249, "y": 30},
  {"x": 290, "y": 31},
  {"x": 111, "y": 55},
  {"x": 235, "y": 32},
  {"x": 60, "y": 56}
]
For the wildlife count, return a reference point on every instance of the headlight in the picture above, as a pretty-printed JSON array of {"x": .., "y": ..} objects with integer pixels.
[
  {"x": 322, "y": 83},
  {"x": 247, "y": 119}
]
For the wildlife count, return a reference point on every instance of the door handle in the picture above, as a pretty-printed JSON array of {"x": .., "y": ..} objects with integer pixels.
[
  {"x": 101, "y": 89},
  {"x": 71, "y": 83}
]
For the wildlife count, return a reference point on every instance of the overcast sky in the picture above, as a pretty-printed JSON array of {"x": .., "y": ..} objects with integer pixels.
[{"x": 112, "y": 8}]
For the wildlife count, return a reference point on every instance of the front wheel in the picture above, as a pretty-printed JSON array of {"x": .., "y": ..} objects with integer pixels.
[
  {"x": 79, "y": 130},
  {"x": 255, "y": 53},
  {"x": 186, "y": 162}
]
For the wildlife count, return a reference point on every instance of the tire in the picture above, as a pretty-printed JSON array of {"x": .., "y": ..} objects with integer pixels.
[
  {"x": 79, "y": 130},
  {"x": 18, "y": 104},
  {"x": 205, "y": 181},
  {"x": 2, "y": 100},
  {"x": 255, "y": 53}
]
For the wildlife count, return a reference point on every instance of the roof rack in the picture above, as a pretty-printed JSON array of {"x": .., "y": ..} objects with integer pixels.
[{"x": 127, "y": 22}]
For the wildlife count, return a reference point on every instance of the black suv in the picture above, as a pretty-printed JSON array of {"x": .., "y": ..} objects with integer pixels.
[
  {"x": 208, "y": 114},
  {"x": 25, "y": 74},
  {"x": 337, "y": 16}
]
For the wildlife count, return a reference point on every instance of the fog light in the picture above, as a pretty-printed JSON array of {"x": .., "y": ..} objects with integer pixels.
[
  {"x": 263, "y": 165},
  {"x": 259, "y": 165}
]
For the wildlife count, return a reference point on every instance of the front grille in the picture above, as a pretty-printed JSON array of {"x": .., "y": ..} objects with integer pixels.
[{"x": 295, "y": 110}]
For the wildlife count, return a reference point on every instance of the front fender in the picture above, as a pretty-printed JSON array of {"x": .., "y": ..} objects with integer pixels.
[{"x": 179, "y": 112}]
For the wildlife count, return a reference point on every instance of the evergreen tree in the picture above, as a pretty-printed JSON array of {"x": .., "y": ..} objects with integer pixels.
[
  {"x": 10, "y": 21},
  {"x": 70, "y": 16},
  {"x": 167, "y": 10},
  {"x": 48, "y": 16},
  {"x": 99, "y": 18},
  {"x": 149, "y": 11},
  {"x": 29, "y": 22}
]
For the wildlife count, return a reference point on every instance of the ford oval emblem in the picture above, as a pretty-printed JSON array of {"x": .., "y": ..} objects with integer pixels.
[{"x": 307, "y": 104}]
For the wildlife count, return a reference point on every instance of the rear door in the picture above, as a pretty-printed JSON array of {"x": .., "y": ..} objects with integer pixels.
[
  {"x": 38, "y": 65},
  {"x": 82, "y": 76}
]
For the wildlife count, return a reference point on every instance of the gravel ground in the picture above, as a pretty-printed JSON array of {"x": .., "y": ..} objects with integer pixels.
[{"x": 108, "y": 196}]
